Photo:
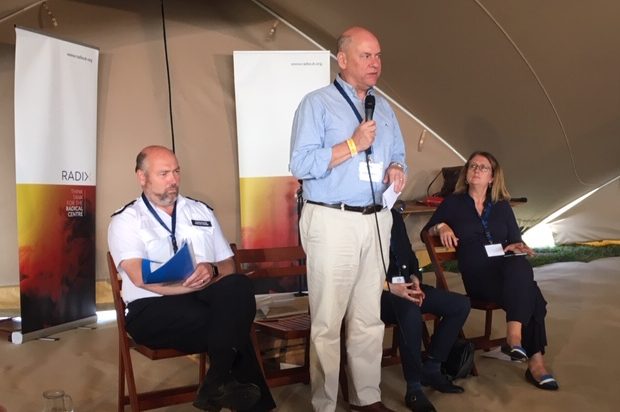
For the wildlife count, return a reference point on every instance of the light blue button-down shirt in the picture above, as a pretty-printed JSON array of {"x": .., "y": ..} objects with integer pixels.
[{"x": 324, "y": 119}]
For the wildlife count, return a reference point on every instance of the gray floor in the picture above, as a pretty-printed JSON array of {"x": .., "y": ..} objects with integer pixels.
[{"x": 583, "y": 329}]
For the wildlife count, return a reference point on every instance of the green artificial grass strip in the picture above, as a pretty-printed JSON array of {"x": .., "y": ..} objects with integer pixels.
[
  {"x": 563, "y": 253},
  {"x": 573, "y": 253}
]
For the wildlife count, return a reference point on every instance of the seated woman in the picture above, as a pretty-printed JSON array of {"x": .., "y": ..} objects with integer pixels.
[
  {"x": 478, "y": 221},
  {"x": 404, "y": 306}
]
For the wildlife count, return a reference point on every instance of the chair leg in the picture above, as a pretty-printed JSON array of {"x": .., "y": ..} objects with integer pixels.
[
  {"x": 131, "y": 383},
  {"x": 307, "y": 361},
  {"x": 488, "y": 325},
  {"x": 426, "y": 337},
  {"x": 259, "y": 357},
  {"x": 121, "y": 382},
  {"x": 394, "y": 348}
]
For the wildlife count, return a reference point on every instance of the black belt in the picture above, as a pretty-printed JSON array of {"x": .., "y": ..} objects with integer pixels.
[{"x": 365, "y": 210}]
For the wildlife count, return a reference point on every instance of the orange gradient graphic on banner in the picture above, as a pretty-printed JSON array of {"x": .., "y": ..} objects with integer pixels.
[
  {"x": 56, "y": 238},
  {"x": 268, "y": 211}
]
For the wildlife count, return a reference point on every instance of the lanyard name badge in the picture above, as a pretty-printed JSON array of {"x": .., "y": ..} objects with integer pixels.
[
  {"x": 175, "y": 248},
  {"x": 376, "y": 168},
  {"x": 492, "y": 249}
]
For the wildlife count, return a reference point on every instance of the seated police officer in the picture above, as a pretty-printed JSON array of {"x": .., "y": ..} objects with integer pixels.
[
  {"x": 210, "y": 311},
  {"x": 404, "y": 304}
]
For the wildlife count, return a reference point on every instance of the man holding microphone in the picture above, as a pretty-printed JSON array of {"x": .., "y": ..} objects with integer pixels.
[{"x": 346, "y": 162}]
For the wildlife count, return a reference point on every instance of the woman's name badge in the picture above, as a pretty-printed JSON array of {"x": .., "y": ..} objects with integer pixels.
[
  {"x": 376, "y": 171},
  {"x": 495, "y": 249}
]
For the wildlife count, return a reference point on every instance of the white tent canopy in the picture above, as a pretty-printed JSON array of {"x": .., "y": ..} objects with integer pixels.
[{"x": 535, "y": 83}]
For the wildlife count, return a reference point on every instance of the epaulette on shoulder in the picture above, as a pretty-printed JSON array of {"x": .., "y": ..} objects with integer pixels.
[
  {"x": 119, "y": 211},
  {"x": 199, "y": 201}
]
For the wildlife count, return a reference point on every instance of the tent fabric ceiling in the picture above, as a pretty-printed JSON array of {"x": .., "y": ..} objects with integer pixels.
[
  {"x": 536, "y": 83},
  {"x": 533, "y": 82},
  {"x": 591, "y": 219}
]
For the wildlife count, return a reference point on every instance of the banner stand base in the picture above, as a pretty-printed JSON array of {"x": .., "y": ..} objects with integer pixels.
[
  {"x": 9, "y": 325},
  {"x": 19, "y": 338}
]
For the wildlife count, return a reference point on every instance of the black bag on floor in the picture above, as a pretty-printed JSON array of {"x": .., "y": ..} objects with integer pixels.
[{"x": 460, "y": 360}]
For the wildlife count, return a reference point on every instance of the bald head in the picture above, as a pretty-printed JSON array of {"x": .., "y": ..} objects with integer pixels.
[
  {"x": 154, "y": 150},
  {"x": 159, "y": 175},
  {"x": 359, "y": 59},
  {"x": 352, "y": 33}
]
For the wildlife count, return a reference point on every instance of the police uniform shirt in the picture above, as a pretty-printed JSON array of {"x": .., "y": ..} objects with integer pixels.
[{"x": 135, "y": 233}]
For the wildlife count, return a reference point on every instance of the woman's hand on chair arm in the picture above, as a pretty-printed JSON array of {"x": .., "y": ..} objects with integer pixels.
[{"x": 446, "y": 234}]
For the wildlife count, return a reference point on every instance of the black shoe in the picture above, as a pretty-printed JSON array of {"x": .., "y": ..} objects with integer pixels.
[
  {"x": 231, "y": 394},
  {"x": 546, "y": 382},
  {"x": 440, "y": 382},
  {"x": 516, "y": 353},
  {"x": 418, "y": 402}
]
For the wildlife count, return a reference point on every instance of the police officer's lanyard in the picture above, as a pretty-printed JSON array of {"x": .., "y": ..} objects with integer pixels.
[
  {"x": 161, "y": 222},
  {"x": 348, "y": 99},
  {"x": 484, "y": 219}
]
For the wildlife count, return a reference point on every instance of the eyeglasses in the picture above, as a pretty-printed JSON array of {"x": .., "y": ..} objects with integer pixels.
[{"x": 483, "y": 168}]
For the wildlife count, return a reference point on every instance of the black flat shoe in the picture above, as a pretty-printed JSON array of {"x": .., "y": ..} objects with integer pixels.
[
  {"x": 230, "y": 394},
  {"x": 441, "y": 383},
  {"x": 546, "y": 382},
  {"x": 418, "y": 402},
  {"x": 516, "y": 353}
]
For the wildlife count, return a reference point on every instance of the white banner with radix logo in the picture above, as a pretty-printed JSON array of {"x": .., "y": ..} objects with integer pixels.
[{"x": 55, "y": 162}]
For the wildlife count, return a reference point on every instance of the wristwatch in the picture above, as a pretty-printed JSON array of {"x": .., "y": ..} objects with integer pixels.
[{"x": 399, "y": 165}]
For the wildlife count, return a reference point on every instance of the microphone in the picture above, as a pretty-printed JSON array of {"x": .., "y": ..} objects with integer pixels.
[{"x": 369, "y": 110}]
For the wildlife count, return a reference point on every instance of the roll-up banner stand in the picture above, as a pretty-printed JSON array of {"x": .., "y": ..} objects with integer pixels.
[
  {"x": 55, "y": 160},
  {"x": 269, "y": 85}
]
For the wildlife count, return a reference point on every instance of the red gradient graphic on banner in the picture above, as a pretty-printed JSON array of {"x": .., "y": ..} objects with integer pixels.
[
  {"x": 56, "y": 236},
  {"x": 269, "y": 219},
  {"x": 268, "y": 211}
]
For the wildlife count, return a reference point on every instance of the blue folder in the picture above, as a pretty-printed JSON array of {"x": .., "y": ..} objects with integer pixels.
[{"x": 176, "y": 269}]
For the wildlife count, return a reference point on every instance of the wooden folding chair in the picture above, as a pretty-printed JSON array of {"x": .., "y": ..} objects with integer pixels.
[
  {"x": 144, "y": 400},
  {"x": 278, "y": 262},
  {"x": 439, "y": 255}
]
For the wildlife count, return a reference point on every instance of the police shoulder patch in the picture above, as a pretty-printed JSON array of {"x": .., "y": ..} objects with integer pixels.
[
  {"x": 199, "y": 201},
  {"x": 119, "y": 211}
]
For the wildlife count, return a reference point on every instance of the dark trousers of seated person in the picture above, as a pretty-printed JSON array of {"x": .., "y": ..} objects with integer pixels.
[
  {"x": 452, "y": 308},
  {"x": 216, "y": 320},
  {"x": 510, "y": 283}
]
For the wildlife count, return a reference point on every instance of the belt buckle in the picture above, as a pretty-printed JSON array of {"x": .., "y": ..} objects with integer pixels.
[{"x": 369, "y": 210}]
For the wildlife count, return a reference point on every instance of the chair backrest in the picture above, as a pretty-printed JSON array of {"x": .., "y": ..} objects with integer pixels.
[
  {"x": 439, "y": 255},
  {"x": 119, "y": 305},
  {"x": 273, "y": 262},
  {"x": 270, "y": 264}
]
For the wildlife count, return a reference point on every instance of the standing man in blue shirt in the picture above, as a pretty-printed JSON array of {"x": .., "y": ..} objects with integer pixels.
[{"x": 346, "y": 163}]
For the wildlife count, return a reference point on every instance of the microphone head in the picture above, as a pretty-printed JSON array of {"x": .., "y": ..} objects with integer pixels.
[{"x": 369, "y": 106}]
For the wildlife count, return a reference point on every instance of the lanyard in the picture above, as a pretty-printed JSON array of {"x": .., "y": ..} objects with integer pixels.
[
  {"x": 484, "y": 219},
  {"x": 161, "y": 222},
  {"x": 348, "y": 99}
]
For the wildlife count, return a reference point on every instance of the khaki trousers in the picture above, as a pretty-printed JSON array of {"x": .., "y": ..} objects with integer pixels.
[{"x": 345, "y": 281}]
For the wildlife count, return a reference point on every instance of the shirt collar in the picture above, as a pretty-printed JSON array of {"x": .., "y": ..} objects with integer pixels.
[{"x": 350, "y": 89}]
